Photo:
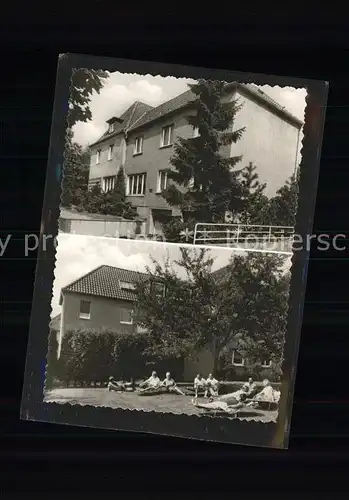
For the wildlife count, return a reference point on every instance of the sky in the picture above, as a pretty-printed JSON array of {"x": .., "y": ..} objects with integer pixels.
[
  {"x": 122, "y": 89},
  {"x": 76, "y": 255}
]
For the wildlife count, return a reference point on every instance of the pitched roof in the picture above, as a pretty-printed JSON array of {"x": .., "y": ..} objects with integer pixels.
[
  {"x": 188, "y": 97},
  {"x": 140, "y": 114},
  {"x": 104, "y": 281},
  {"x": 164, "y": 109},
  {"x": 127, "y": 118}
]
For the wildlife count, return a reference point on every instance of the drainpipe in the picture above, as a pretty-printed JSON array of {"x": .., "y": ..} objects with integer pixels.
[{"x": 297, "y": 152}]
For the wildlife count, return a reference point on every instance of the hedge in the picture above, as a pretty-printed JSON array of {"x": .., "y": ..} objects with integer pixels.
[{"x": 90, "y": 357}]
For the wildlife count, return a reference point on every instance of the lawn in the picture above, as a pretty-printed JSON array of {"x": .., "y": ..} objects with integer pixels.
[{"x": 164, "y": 403}]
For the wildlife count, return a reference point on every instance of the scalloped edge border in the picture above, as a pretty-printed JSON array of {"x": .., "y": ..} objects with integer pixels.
[{"x": 45, "y": 268}]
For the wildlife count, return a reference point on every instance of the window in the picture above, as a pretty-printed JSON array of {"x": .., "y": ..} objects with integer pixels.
[
  {"x": 166, "y": 136},
  {"x": 108, "y": 183},
  {"x": 111, "y": 128},
  {"x": 126, "y": 316},
  {"x": 98, "y": 156},
  {"x": 138, "y": 146},
  {"x": 237, "y": 360},
  {"x": 124, "y": 285},
  {"x": 158, "y": 289},
  {"x": 162, "y": 181},
  {"x": 266, "y": 363},
  {"x": 85, "y": 309},
  {"x": 136, "y": 184},
  {"x": 196, "y": 132},
  {"x": 110, "y": 152}
]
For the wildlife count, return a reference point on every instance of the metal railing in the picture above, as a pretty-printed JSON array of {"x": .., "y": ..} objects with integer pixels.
[{"x": 223, "y": 234}]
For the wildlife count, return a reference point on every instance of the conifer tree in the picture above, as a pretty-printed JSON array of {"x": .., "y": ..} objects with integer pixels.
[
  {"x": 75, "y": 173},
  {"x": 205, "y": 183},
  {"x": 255, "y": 202},
  {"x": 283, "y": 207}
]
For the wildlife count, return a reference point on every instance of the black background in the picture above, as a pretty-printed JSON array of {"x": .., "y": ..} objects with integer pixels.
[{"x": 49, "y": 458}]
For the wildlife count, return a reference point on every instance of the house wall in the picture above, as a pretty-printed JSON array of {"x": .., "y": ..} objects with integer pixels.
[
  {"x": 269, "y": 142},
  {"x": 203, "y": 364},
  {"x": 106, "y": 312},
  {"x": 152, "y": 159},
  {"x": 105, "y": 167}
]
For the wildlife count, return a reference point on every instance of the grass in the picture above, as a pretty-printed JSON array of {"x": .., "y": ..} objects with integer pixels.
[{"x": 164, "y": 403}]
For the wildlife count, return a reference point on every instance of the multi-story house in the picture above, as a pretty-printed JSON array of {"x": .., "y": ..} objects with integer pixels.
[
  {"x": 142, "y": 141},
  {"x": 105, "y": 298}
]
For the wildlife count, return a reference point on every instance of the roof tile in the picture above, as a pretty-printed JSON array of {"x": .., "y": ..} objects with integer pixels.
[{"x": 105, "y": 282}]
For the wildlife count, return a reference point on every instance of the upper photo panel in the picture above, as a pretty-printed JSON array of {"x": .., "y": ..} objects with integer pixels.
[{"x": 182, "y": 161}]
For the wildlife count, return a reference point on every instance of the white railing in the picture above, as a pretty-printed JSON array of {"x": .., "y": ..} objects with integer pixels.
[{"x": 218, "y": 234}]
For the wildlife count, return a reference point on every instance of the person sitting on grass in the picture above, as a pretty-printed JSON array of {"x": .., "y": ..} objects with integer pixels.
[
  {"x": 199, "y": 384},
  {"x": 114, "y": 385},
  {"x": 212, "y": 385},
  {"x": 267, "y": 394},
  {"x": 170, "y": 385},
  {"x": 153, "y": 382}
]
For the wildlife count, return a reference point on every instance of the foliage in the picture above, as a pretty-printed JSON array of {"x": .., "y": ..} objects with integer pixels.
[
  {"x": 255, "y": 202},
  {"x": 205, "y": 183},
  {"x": 283, "y": 207},
  {"x": 248, "y": 303},
  {"x": 52, "y": 370},
  {"x": 263, "y": 293},
  {"x": 75, "y": 176},
  {"x": 90, "y": 356},
  {"x": 111, "y": 202},
  {"x": 84, "y": 83}
]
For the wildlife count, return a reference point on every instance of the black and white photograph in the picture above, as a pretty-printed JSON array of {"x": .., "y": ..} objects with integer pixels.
[
  {"x": 182, "y": 160},
  {"x": 169, "y": 293},
  {"x": 167, "y": 328}
]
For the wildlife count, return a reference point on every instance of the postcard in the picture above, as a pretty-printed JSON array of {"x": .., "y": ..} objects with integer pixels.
[{"x": 173, "y": 250}]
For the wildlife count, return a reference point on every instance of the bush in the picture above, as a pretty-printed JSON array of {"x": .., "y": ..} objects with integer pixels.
[{"x": 93, "y": 356}]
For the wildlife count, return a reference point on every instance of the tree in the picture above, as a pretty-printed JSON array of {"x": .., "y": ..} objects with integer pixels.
[
  {"x": 114, "y": 202},
  {"x": 255, "y": 202},
  {"x": 84, "y": 82},
  {"x": 283, "y": 207},
  {"x": 262, "y": 285},
  {"x": 75, "y": 174},
  {"x": 205, "y": 184},
  {"x": 52, "y": 370},
  {"x": 204, "y": 310}
]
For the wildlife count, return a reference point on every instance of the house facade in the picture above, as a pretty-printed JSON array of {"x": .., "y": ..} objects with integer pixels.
[
  {"x": 105, "y": 299},
  {"x": 142, "y": 141}
]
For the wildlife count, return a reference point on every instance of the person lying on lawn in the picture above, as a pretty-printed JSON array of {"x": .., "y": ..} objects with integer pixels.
[
  {"x": 233, "y": 397},
  {"x": 118, "y": 385},
  {"x": 199, "y": 384},
  {"x": 153, "y": 382},
  {"x": 170, "y": 385},
  {"x": 212, "y": 385},
  {"x": 217, "y": 405}
]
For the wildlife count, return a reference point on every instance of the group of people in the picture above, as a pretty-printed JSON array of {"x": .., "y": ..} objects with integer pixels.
[
  {"x": 152, "y": 384},
  {"x": 209, "y": 386},
  {"x": 249, "y": 395}
]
